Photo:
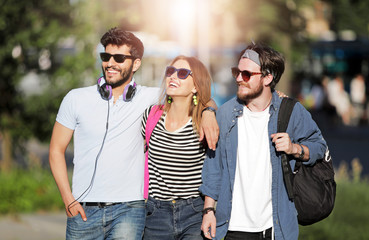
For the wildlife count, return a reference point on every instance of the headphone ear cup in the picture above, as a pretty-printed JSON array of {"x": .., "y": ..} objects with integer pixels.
[
  {"x": 129, "y": 92},
  {"x": 105, "y": 91}
]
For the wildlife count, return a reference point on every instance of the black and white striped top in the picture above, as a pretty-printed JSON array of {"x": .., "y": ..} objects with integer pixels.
[{"x": 175, "y": 161}]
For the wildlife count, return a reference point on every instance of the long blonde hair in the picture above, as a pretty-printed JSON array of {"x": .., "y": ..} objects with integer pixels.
[{"x": 202, "y": 81}]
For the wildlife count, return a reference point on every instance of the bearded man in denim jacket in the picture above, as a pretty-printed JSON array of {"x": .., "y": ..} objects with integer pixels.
[{"x": 244, "y": 175}]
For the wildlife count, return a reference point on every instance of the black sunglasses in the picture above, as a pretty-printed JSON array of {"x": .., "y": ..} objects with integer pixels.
[
  {"x": 246, "y": 75},
  {"x": 119, "y": 58},
  {"x": 182, "y": 73}
]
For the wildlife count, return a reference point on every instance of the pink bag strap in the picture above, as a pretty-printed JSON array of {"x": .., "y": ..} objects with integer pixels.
[{"x": 153, "y": 118}]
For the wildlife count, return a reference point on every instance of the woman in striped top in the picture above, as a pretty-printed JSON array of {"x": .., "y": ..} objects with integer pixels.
[{"x": 174, "y": 207}]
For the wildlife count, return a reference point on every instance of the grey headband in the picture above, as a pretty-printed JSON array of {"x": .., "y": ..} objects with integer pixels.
[{"x": 252, "y": 55}]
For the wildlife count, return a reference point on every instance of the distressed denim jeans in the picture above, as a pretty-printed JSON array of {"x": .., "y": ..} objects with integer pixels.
[{"x": 121, "y": 221}]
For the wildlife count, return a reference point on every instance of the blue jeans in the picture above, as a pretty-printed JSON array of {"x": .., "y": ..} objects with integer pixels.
[
  {"x": 177, "y": 219},
  {"x": 120, "y": 221}
]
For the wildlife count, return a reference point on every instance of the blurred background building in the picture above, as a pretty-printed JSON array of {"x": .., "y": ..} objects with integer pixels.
[{"x": 49, "y": 48}]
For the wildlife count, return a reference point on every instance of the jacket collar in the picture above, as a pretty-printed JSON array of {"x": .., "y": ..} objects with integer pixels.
[
  {"x": 276, "y": 101},
  {"x": 238, "y": 107}
]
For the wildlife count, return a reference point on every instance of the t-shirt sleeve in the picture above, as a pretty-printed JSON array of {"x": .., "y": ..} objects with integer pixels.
[
  {"x": 67, "y": 114},
  {"x": 144, "y": 120},
  {"x": 155, "y": 95}
]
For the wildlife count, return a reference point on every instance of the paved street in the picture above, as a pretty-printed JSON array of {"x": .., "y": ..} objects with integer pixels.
[{"x": 38, "y": 226}]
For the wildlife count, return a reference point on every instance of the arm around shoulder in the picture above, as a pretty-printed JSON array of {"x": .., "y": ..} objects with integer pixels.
[{"x": 209, "y": 125}]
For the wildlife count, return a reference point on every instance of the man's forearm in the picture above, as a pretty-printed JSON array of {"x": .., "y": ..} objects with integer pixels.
[
  {"x": 212, "y": 104},
  {"x": 209, "y": 202},
  {"x": 59, "y": 170}
]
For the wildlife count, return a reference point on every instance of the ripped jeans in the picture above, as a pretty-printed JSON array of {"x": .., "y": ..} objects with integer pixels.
[{"x": 120, "y": 221}]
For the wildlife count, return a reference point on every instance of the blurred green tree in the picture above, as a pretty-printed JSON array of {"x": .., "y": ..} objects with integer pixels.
[
  {"x": 47, "y": 42},
  {"x": 350, "y": 15},
  {"x": 278, "y": 23}
]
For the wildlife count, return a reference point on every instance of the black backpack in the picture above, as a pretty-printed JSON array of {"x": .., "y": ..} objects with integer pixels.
[{"x": 312, "y": 188}]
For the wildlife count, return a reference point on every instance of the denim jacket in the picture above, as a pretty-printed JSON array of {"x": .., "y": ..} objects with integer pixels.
[{"x": 218, "y": 172}]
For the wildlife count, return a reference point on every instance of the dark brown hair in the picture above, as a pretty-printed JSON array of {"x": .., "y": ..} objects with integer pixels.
[
  {"x": 271, "y": 61},
  {"x": 119, "y": 37}
]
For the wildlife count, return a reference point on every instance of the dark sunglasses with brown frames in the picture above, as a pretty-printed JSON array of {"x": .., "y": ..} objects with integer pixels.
[{"x": 246, "y": 75}]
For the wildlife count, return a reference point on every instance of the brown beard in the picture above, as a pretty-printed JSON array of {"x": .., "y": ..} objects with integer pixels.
[
  {"x": 254, "y": 94},
  {"x": 125, "y": 77}
]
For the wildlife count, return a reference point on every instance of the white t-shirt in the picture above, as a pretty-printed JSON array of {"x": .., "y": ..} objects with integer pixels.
[
  {"x": 120, "y": 168},
  {"x": 252, "y": 197}
]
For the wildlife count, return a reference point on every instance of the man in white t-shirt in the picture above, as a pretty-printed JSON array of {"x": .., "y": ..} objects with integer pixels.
[
  {"x": 105, "y": 119},
  {"x": 244, "y": 175}
]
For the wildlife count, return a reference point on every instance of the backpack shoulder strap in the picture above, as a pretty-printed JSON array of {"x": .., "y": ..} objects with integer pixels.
[
  {"x": 284, "y": 115},
  {"x": 152, "y": 119},
  {"x": 285, "y": 112}
]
